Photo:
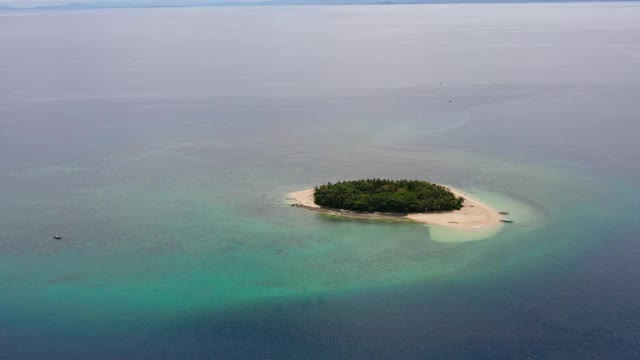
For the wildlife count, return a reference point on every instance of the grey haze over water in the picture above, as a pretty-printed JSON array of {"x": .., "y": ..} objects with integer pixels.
[
  {"x": 161, "y": 143},
  {"x": 102, "y": 4},
  {"x": 586, "y": 53}
]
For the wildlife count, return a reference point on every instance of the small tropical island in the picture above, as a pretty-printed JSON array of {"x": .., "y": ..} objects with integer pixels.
[{"x": 408, "y": 200}]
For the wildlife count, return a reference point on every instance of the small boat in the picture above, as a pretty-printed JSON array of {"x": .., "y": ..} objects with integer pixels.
[
  {"x": 57, "y": 237},
  {"x": 506, "y": 220}
]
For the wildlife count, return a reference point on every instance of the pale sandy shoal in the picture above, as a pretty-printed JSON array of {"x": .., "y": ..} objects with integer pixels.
[{"x": 474, "y": 215}]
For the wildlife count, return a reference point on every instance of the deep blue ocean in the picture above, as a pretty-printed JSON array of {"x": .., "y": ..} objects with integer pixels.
[{"x": 162, "y": 143}]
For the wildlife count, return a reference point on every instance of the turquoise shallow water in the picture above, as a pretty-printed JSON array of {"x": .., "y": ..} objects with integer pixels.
[{"x": 170, "y": 190}]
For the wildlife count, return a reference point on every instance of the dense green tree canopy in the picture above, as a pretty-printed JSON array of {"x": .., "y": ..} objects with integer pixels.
[{"x": 379, "y": 195}]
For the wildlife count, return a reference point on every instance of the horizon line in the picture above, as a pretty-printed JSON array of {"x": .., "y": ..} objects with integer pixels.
[{"x": 89, "y": 6}]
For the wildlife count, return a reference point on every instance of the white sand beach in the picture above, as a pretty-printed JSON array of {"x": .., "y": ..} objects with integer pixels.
[
  {"x": 303, "y": 198},
  {"x": 473, "y": 215}
]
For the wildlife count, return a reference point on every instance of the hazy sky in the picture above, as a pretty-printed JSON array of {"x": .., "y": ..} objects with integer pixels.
[
  {"x": 134, "y": 3},
  {"x": 33, "y": 3}
]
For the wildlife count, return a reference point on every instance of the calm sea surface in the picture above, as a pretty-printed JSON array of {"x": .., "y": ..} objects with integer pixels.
[{"x": 161, "y": 144}]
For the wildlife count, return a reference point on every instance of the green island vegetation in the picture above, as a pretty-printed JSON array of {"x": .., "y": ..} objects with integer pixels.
[{"x": 391, "y": 196}]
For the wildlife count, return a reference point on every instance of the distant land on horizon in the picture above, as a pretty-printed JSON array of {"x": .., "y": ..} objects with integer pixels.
[{"x": 108, "y": 4}]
